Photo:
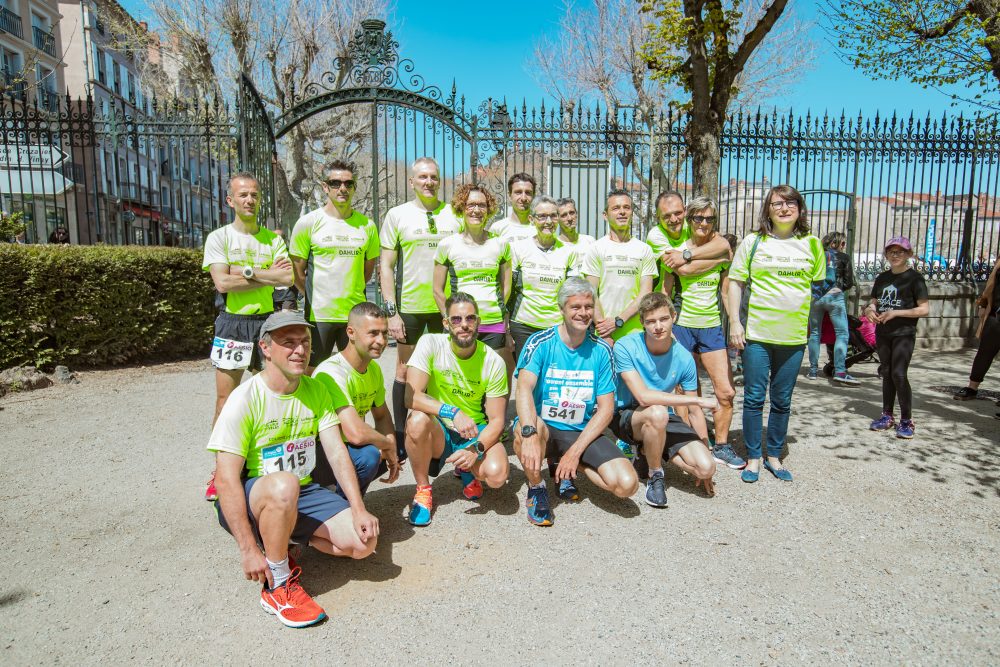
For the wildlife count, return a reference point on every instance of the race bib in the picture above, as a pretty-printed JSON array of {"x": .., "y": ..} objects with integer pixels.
[
  {"x": 231, "y": 355},
  {"x": 294, "y": 456},
  {"x": 563, "y": 411}
]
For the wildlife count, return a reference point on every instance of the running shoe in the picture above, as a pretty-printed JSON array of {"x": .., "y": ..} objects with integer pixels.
[
  {"x": 473, "y": 490},
  {"x": 626, "y": 448},
  {"x": 537, "y": 505},
  {"x": 966, "y": 394},
  {"x": 812, "y": 374},
  {"x": 291, "y": 604},
  {"x": 568, "y": 490},
  {"x": 846, "y": 379},
  {"x": 724, "y": 453},
  {"x": 656, "y": 491},
  {"x": 211, "y": 495},
  {"x": 905, "y": 429},
  {"x": 420, "y": 508},
  {"x": 883, "y": 423}
]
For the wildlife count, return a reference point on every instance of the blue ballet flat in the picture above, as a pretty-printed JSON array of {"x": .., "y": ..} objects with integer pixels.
[
  {"x": 749, "y": 476},
  {"x": 781, "y": 473}
]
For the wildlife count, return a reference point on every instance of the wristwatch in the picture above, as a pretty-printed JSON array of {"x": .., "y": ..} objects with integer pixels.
[
  {"x": 619, "y": 323},
  {"x": 248, "y": 272},
  {"x": 528, "y": 431},
  {"x": 390, "y": 308},
  {"x": 477, "y": 447},
  {"x": 687, "y": 255}
]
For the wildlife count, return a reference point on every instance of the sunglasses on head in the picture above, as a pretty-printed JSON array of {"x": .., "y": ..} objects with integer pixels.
[
  {"x": 336, "y": 183},
  {"x": 431, "y": 223}
]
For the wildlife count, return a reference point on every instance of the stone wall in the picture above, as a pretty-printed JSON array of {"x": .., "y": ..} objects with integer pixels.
[{"x": 953, "y": 319}]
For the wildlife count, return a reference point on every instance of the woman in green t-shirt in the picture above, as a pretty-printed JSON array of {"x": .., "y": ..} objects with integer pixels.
[{"x": 778, "y": 264}]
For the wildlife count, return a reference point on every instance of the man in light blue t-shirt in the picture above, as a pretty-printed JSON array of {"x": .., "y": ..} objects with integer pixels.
[
  {"x": 565, "y": 399},
  {"x": 649, "y": 367}
]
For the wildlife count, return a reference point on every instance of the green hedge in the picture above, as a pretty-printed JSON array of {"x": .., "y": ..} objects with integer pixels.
[{"x": 101, "y": 305}]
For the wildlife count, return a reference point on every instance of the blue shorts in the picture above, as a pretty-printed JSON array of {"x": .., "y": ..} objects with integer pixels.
[
  {"x": 452, "y": 443},
  {"x": 697, "y": 341},
  {"x": 317, "y": 505}
]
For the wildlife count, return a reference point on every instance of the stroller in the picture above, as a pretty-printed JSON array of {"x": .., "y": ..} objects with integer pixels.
[{"x": 860, "y": 343}]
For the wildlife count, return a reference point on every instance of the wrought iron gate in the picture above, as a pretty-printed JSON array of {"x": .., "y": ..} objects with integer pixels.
[{"x": 257, "y": 146}]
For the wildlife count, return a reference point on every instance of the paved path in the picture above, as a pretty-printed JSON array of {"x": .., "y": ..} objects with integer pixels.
[{"x": 881, "y": 551}]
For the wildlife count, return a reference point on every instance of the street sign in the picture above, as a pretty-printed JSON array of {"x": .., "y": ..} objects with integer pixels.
[{"x": 34, "y": 156}]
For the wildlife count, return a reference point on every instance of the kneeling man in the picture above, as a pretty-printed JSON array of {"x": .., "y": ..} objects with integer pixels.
[
  {"x": 649, "y": 366},
  {"x": 265, "y": 442},
  {"x": 456, "y": 389},
  {"x": 565, "y": 400}
]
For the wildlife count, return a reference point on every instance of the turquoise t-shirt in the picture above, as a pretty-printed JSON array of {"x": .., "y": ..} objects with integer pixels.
[{"x": 660, "y": 372}]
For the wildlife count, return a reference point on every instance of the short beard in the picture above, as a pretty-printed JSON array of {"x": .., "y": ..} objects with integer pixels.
[{"x": 472, "y": 341}]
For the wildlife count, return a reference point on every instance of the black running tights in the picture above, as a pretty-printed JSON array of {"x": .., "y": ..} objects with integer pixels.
[
  {"x": 989, "y": 346},
  {"x": 895, "y": 352}
]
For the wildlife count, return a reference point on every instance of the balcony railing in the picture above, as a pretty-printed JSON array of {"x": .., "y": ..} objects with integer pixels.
[
  {"x": 12, "y": 85},
  {"x": 44, "y": 41},
  {"x": 10, "y": 22},
  {"x": 48, "y": 100}
]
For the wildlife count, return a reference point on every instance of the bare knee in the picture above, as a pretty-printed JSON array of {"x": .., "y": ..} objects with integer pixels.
[
  {"x": 725, "y": 395},
  {"x": 282, "y": 489},
  {"x": 418, "y": 426},
  {"x": 494, "y": 474},
  {"x": 620, "y": 478},
  {"x": 705, "y": 468},
  {"x": 657, "y": 417},
  {"x": 364, "y": 549}
]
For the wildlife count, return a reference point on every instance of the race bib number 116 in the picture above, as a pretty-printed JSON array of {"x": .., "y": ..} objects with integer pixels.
[{"x": 231, "y": 355}]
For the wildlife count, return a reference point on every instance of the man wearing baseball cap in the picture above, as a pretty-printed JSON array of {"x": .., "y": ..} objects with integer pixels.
[{"x": 265, "y": 442}]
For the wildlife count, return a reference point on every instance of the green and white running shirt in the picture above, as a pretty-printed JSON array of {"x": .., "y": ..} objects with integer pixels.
[
  {"x": 511, "y": 231},
  {"x": 362, "y": 391},
  {"x": 701, "y": 304},
  {"x": 274, "y": 432},
  {"x": 226, "y": 245},
  {"x": 406, "y": 231},
  {"x": 475, "y": 270},
  {"x": 464, "y": 383},
  {"x": 620, "y": 268},
  {"x": 780, "y": 286},
  {"x": 660, "y": 242},
  {"x": 582, "y": 245},
  {"x": 336, "y": 251},
  {"x": 538, "y": 275}
]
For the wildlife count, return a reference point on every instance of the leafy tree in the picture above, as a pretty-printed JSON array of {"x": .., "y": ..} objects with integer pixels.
[
  {"x": 11, "y": 224},
  {"x": 930, "y": 42}
]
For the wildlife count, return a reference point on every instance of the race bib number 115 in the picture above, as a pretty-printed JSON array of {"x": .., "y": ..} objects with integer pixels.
[{"x": 231, "y": 355}]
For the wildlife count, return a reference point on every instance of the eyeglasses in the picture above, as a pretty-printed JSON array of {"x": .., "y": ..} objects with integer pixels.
[
  {"x": 545, "y": 216},
  {"x": 431, "y": 223},
  {"x": 475, "y": 205},
  {"x": 336, "y": 183},
  {"x": 698, "y": 219},
  {"x": 456, "y": 320},
  {"x": 785, "y": 204}
]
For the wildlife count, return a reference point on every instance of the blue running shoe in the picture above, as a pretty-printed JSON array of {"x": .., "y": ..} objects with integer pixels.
[
  {"x": 568, "y": 490},
  {"x": 626, "y": 448},
  {"x": 537, "y": 505},
  {"x": 420, "y": 508},
  {"x": 905, "y": 429},
  {"x": 883, "y": 423},
  {"x": 723, "y": 453},
  {"x": 656, "y": 491}
]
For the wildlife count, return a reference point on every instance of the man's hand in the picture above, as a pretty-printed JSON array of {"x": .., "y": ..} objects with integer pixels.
[
  {"x": 673, "y": 258},
  {"x": 707, "y": 484},
  {"x": 255, "y": 567},
  {"x": 464, "y": 426},
  {"x": 463, "y": 458},
  {"x": 709, "y": 403},
  {"x": 392, "y": 461},
  {"x": 568, "y": 464},
  {"x": 737, "y": 336},
  {"x": 396, "y": 329},
  {"x": 605, "y": 327},
  {"x": 281, "y": 263},
  {"x": 531, "y": 453},
  {"x": 365, "y": 524}
]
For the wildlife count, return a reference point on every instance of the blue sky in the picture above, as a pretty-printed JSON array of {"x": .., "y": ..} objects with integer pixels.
[{"x": 486, "y": 48}]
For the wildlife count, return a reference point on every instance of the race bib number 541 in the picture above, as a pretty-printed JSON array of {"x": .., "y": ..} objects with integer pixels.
[
  {"x": 563, "y": 411},
  {"x": 231, "y": 355}
]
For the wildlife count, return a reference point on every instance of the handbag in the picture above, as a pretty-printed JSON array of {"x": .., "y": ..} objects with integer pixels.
[{"x": 745, "y": 299}]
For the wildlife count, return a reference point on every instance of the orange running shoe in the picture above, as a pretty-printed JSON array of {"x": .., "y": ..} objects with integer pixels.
[
  {"x": 211, "y": 495},
  {"x": 420, "y": 508},
  {"x": 473, "y": 490},
  {"x": 291, "y": 604}
]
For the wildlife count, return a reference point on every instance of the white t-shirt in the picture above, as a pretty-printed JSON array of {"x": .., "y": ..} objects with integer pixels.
[{"x": 620, "y": 268}]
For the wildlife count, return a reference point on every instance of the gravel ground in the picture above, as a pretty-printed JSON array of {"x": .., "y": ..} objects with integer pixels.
[{"x": 881, "y": 551}]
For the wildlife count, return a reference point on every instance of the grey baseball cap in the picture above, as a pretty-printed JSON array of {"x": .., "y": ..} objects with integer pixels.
[{"x": 282, "y": 319}]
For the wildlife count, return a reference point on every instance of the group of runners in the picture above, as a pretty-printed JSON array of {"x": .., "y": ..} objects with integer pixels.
[{"x": 588, "y": 328}]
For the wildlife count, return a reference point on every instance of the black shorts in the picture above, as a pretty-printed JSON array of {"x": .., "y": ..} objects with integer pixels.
[
  {"x": 521, "y": 333},
  {"x": 678, "y": 432},
  {"x": 497, "y": 341},
  {"x": 596, "y": 454},
  {"x": 317, "y": 505},
  {"x": 245, "y": 329},
  {"x": 415, "y": 324},
  {"x": 325, "y": 336}
]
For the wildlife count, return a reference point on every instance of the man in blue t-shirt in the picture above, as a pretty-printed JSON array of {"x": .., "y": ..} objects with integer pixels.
[
  {"x": 565, "y": 399},
  {"x": 649, "y": 367}
]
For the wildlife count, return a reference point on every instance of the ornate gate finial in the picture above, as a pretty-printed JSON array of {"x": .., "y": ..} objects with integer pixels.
[{"x": 371, "y": 44}]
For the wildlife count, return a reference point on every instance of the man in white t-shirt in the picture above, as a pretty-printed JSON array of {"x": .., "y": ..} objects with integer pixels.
[
  {"x": 569, "y": 232},
  {"x": 516, "y": 226},
  {"x": 409, "y": 237},
  {"x": 265, "y": 442}
]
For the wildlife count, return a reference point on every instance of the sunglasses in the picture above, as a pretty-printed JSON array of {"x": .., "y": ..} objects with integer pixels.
[
  {"x": 456, "y": 320},
  {"x": 431, "y": 223},
  {"x": 698, "y": 219},
  {"x": 336, "y": 184}
]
